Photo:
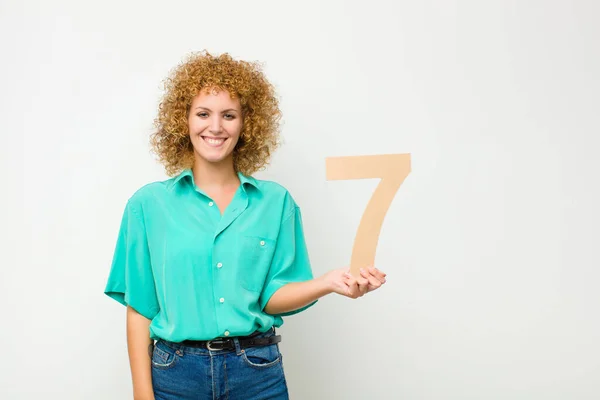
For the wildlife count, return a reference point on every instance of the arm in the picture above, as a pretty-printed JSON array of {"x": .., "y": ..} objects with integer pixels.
[
  {"x": 290, "y": 284},
  {"x": 131, "y": 283},
  {"x": 296, "y": 295},
  {"x": 138, "y": 343}
]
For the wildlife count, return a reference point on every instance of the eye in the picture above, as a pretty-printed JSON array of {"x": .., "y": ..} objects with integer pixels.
[
  {"x": 229, "y": 116},
  {"x": 202, "y": 115}
]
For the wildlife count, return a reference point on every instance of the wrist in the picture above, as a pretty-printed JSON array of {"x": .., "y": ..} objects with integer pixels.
[{"x": 324, "y": 285}]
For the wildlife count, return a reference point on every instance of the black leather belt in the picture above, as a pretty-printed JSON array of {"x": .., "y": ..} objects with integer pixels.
[{"x": 229, "y": 344}]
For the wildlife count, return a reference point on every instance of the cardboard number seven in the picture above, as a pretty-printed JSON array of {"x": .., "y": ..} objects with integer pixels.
[{"x": 392, "y": 169}]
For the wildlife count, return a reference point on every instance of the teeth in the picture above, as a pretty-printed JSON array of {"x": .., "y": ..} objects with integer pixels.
[{"x": 214, "y": 141}]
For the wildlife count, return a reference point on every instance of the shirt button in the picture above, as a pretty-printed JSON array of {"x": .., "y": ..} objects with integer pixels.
[
  {"x": 210, "y": 204},
  {"x": 262, "y": 242},
  {"x": 222, "y": 300},
  {"x": 219, "y": 265},
  {"x": 226, "y": 333}
]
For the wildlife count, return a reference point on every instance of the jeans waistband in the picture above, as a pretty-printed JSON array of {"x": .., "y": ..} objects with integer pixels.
[{"x": 182, "y": 348}]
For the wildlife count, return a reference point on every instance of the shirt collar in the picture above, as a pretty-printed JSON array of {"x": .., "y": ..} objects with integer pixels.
[
  {"x": 185, "y": 173},
  {"x": 243, "y": 178}
]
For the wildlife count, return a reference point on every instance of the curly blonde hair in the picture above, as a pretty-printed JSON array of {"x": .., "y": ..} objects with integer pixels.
[{"x": 245, "y": 80}]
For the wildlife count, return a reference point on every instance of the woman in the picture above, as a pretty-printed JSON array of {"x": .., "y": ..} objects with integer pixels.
[{"x": 209, "y": 261}]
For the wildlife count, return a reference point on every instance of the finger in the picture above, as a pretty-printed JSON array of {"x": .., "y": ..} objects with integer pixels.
[
  {"x": 342, "y": 288},
  {"x": 371, "y": 287},
  {"x": 376, "y": 271},
  {"x": 378, "y": 274},
  {"x": 353, "y": 290},
  {"x": 374, "y": 282},
  {"x": 363, "y": 288},
  {"x": 363, "y": 284},
  {"x": 351, "y": 278}
]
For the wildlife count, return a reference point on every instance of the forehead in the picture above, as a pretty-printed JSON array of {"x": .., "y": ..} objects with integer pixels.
[{"x": 215, "y": 98}]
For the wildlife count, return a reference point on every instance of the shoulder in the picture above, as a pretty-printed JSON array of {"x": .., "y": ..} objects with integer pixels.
[
  {"x": 150, "y": 192},
  {"x": 277, "y": 192},
  {"x": 271, "y": 187}
]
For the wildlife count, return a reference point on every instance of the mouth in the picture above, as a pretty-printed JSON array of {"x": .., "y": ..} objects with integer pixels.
[{"x": 213, "y": 142}]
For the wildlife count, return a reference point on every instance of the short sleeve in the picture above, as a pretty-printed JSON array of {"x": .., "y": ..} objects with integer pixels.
[
  {"x": 131, "y": 281},
  {"x": 290, "y": 260}
]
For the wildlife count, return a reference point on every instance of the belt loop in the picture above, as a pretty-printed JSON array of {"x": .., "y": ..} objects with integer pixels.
[{"x": 238, "y": 348}]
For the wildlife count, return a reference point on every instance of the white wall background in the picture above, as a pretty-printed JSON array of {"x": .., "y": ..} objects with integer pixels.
[{"x": 491, "y": 245}]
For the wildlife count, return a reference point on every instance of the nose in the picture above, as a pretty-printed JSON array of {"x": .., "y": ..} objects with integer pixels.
[{"x": 215, "y": 124}]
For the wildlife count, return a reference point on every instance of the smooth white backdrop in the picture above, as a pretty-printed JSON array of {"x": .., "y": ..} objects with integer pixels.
[{"x": 491, "y": 244}]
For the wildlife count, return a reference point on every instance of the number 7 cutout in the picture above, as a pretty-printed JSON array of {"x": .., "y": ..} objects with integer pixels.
[{"x": 392, "y": 169}]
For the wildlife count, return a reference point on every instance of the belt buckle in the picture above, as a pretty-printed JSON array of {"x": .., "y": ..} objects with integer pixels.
[{"x": 210, "y": 342}]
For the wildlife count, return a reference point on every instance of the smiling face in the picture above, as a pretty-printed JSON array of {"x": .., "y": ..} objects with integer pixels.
[{"x": 215, "y": 124}]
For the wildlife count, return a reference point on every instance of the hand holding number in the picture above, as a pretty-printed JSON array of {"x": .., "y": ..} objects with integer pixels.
[
  {"x": 375, "y": 277},
  {"x": 392, "y": 169},
  {"x": 342, "y": 282}
]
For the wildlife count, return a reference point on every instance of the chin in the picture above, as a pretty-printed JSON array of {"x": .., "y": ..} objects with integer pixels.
[{"x": 215, "y": 159}]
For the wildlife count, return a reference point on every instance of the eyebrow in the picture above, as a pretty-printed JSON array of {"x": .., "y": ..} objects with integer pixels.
[{"x": 208, "y": 109}]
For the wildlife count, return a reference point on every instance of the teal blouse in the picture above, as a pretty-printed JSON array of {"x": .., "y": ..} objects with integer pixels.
[{"x": 199, "y": 275}]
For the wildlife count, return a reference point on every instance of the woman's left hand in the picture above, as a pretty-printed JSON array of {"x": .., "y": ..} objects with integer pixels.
[
  {"x": 370, "y": 279},
  {"x": 342, "y": 282},
  {"x": 375, "y": 277}
]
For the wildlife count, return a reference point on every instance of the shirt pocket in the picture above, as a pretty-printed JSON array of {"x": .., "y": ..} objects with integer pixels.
[{"x": 255, "y": 259}]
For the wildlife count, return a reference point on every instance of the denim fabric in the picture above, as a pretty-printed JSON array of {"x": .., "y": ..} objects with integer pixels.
[{"x": 182, "y": 372}]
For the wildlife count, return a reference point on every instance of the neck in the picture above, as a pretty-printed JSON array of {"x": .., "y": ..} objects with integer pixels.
[{"x": 214, "y": 175}]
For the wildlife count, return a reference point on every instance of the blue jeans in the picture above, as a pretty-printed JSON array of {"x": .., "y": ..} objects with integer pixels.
[{"x": 183, "y": 372}]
